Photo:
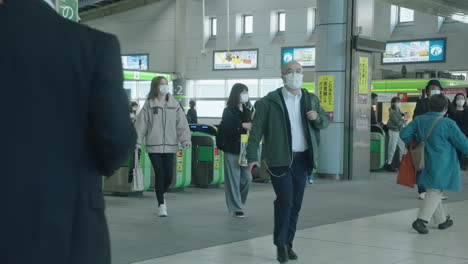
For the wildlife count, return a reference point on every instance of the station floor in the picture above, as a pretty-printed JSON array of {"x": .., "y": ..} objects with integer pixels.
[{"x": 341, "y": 222}]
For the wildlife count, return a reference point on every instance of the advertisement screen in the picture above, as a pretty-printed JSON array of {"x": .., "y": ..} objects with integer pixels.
[
  {"x": 235, "y": 60},
  {"x": 304, "y": 55},
  {"x": 135, "y": 62},
  {"x": 417, "y": 51}
]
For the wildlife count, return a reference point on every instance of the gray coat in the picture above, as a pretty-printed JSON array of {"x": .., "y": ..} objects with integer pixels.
[{"x": 163, "y": 124}]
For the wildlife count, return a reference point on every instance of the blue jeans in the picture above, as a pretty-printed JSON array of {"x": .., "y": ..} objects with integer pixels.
[{"x": 289, "y": 190}]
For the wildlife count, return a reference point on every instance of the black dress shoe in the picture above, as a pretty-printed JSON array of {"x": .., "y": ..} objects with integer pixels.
[
  {"x": 390, "y": 168},
  {"x": 291, "y": 254},
  {"x": 282, "y": 254},
  {"x": 448, "y": 223},
  {"x": 420, "y": 226}
]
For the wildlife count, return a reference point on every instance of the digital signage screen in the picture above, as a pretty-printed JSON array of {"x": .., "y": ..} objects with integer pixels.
[
  {"x": 235, "y": 60},
  {"x": 304, "y": 55},
  {"x": 137, "y": 62},
  {"x": 415, "y": 51}
]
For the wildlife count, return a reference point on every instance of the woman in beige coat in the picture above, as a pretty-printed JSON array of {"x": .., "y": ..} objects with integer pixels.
[{"x": 163, "y": 124}]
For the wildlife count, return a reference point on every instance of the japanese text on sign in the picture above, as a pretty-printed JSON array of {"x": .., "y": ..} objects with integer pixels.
[
  {"x": 326, "y": 89},
  {"x": 363, "y": 75}
]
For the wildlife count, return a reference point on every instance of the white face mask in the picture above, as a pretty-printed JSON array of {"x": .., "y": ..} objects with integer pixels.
[
  {"x": 435, "y": 92},
  {"x": 164, "y": 89},
  {"x": 460, "y": 102},
  {"x": 398, "y": 105},
  {"x": 294, "y": 80},
  {"x": 244, "y": 98}
]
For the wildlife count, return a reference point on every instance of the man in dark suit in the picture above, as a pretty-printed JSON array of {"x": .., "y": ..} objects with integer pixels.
[{"x": 67, "y": 124}]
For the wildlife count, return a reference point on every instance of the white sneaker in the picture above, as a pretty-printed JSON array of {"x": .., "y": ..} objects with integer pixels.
[
  {"x": 444, "y": 197},
  {"x": 311, "y": 181},
  {"x": 422, "y": 196},
  {"x": 162, "y": 210}
]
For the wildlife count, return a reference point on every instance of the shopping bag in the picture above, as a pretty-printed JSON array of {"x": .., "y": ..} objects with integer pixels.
[
  {"x": 407, "y": 173},
  {"x": 138, "y": 178},
  {"x": 243, "y": 150}
]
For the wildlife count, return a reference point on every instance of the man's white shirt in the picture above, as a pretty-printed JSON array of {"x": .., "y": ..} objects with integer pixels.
[{"x": 293, "y": 104}]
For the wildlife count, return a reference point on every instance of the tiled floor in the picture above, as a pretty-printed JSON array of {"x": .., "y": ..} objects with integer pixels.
[{"x": 382, "y": 239}]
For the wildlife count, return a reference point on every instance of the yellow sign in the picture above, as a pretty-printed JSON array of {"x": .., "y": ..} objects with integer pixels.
[
  {"x": 363, "y": 75},
  {"x": 326, "y": 88},
  {"x": 179, "y": 168},
  {"x": 216, "y": 165}
]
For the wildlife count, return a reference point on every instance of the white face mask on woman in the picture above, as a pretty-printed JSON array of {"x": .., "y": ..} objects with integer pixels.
[
  {"x": 244, "y": 98},
  {"x": 461, "y": 102},
  {"x": 294, "y": 80},
  {"x": 435, "y": 92},
  {"x": 398, "y": 105},
  {"x": 164, "y": 89}
]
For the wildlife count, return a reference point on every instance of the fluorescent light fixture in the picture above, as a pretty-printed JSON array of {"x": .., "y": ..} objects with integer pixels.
[{"x": 460, "y": 18}]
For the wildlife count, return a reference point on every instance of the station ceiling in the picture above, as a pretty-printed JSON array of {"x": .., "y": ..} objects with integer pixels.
[
  {"x": 455, "y": 9},
  {"x": 92, "y": 9}
]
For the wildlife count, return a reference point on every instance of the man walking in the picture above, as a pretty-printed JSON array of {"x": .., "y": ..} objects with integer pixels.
[
  {"x": 68, "y": 126},
  {"x": 288, "y": 120}
]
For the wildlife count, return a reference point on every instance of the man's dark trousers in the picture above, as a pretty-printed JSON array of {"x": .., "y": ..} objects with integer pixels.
[{"x": 289, "y": 189}]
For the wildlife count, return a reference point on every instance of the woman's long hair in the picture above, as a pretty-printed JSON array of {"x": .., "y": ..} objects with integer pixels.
[
  {"x": 155, "y": 84},
  {"x": 234, "y": 97}
]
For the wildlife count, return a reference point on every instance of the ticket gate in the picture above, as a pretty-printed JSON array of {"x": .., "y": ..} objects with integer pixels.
[
  {"x": 207, "y": 159},
  {"x": 377, "y": 148}
]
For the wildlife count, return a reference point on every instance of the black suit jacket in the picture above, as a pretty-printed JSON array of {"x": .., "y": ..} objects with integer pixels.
[{"x": 67, "y": 125}]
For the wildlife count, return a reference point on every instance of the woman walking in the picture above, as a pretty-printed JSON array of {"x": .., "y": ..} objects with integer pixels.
[
  {"x": 442, "y": 138},
  {"x": 395, "y": 124},
  {"x": 235, "y": 122},
  {"x": 163, "y": 124}
]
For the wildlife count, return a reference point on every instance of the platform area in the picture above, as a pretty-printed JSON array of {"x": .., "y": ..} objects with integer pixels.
[{"x": 341, "y": 222}]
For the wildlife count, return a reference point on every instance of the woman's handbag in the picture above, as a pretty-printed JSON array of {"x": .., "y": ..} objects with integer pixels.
[
  {"x": 417, "y": 154},
  {"x": 407, "y": 173},
  {"x": 138, "y": 178}
]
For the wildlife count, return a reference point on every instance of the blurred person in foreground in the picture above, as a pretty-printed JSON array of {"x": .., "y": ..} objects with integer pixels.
[{"x": 70, "y": 127}]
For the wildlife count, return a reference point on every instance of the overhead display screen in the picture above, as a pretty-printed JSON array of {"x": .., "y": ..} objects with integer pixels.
[
  {"x": 235, "y": 60},
  {"x": 137, "y": 62},
  {"x": 304, "y": 55},
  {"x": 415, "y": 51}
]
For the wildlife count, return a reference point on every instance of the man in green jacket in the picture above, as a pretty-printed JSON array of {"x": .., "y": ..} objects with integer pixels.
[{"x": 288, "y": 120}]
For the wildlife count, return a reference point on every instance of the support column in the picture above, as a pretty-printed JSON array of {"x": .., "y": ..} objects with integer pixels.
[
  {"x": 180, "y": 87},
  {"x": 345, "y": 145},
  {"x": 332, "y": 46}
]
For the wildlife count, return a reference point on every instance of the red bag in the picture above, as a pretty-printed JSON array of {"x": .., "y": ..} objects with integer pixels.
[{"x": 407, "y": 173}]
